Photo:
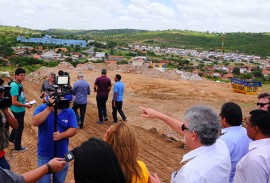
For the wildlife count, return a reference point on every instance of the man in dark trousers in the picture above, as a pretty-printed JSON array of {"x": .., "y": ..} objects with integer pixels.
[
  {"x": 18, "y": 108},
  {"x": 117, "y": 99},
  {"x": 81, "y": 89},
  {"x": 102, "y": 86}
]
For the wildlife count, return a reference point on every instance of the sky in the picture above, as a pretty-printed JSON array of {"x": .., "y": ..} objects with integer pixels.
[{"x": 197, "y": 15}]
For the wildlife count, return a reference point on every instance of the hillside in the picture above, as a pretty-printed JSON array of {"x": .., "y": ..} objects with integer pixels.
[{"x": 249, "y": 43}]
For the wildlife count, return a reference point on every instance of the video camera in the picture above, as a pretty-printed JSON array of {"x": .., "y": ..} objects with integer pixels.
[
  {"x": 5, "y": 102},
  {"x": 58, "y": 93}
]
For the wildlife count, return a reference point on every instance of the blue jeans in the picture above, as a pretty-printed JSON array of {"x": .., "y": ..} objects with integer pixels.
[
  {"x": 58, "y": 177},
  {"x": 3, "y": 163}
]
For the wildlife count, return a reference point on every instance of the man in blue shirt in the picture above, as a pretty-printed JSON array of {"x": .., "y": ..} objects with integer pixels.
[
  {"x": 43, "y": 117},
  {"x": 233, "y": 134},
  {"x": 81, "y": 89},
  {"x": 117, "y": 99}
]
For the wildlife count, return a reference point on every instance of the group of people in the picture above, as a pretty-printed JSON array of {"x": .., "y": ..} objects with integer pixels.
[
  {"x": 81, "y": 90},
  {"x": 55, "y": 125},
  {"x": 222, "y": 150}
]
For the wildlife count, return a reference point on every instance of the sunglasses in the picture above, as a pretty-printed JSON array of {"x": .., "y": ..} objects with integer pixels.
[
  {"x": 262, "y": 104},
  {"x": 183, "y": 127}
]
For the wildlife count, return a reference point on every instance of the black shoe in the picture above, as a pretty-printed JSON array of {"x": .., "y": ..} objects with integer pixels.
[
  {"x": 22, "y": 149},
  {"x": 81, "y": 126},
  {"x": 105, "y": 118}
]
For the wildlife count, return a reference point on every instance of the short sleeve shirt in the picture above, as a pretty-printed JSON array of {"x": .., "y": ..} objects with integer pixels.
[
  {"x": 119, "y": 89},
  {"x": 65, "y": 119},
  {"x": 103, "y": 84},
  {"x": 14, "y": 91}
]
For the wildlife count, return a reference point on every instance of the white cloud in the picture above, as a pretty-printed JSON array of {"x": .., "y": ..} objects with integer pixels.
[{"x": 201, "y": 15}]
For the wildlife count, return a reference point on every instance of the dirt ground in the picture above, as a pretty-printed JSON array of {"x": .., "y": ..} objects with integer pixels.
[{"x": 160, "y": 153}]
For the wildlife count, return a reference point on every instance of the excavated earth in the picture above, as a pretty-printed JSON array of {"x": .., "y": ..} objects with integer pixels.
[{"x": 159, "y": 146}]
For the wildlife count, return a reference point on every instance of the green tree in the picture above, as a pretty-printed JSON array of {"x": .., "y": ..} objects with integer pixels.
[{"x": 236, "y": 71}]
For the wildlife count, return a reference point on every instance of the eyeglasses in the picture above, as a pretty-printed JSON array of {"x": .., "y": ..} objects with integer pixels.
[
  {"x": 183, "y": 127},
  {"x": 262, "y": 104}
]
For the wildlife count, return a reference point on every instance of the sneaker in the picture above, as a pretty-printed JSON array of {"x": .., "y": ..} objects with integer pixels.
[
  {"x": 100, "y": 122},
  {"x": 22, "y": 149}
]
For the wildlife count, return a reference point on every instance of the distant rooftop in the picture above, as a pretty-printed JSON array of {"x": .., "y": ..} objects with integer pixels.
[{"x": 47, "y": 39}]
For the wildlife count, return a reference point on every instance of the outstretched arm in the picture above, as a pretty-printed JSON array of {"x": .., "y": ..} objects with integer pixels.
[
  {"x": 56, "y": 164},
  {"x": 173, "y": 123}
]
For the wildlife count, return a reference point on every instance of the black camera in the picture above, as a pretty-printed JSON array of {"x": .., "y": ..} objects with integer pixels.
[
  {"x": 58, "y": 93},
  {"x": 5, "y": 102}
]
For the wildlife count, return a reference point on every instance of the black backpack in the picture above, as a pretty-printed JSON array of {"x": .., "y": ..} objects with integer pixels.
[{"x": 7, "y": 94}]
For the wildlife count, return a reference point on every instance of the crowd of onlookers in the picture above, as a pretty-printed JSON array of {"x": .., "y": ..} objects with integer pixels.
[{"x": 224, "y": 148}]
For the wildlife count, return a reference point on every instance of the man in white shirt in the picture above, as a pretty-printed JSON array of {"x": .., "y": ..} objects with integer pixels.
[
  {"x": 255, "y": 165},
  {"x": 209, "y": 161},
  {"x": 233, "y": 134}
]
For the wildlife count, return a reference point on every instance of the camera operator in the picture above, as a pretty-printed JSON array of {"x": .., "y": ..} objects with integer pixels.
[
  {"x": 5, "y": 117},
  {"x": 46, "y": 84},
  {"x": 53, "y": 143}
]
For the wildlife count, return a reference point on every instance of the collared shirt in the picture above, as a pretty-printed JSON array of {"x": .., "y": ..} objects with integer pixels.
[
  {"x": 255, "y": 166},
  {"x": 237, "y": 141},
  {"x": 119, "y": 89},
  {"x": 206, "y": 164},
  {"x": 81, "y": 89}
]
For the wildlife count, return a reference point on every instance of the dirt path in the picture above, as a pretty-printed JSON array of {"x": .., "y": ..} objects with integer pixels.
[{"x": 161, "y": 154}]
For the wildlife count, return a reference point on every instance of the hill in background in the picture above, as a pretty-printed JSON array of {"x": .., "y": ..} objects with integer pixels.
[{"x": 249, "y": 43}]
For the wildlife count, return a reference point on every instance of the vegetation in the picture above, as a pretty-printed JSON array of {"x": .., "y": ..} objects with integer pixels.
[{"x": 241, "y": 42}]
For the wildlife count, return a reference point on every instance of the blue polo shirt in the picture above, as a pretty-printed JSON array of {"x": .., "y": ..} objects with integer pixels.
[
  {"x": 119, "y": 89},
  {"x": 237, "y": 141},
  {"x": 66, "y": 119}
]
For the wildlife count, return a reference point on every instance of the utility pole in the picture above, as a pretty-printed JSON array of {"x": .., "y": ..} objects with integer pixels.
[{"x": 222, "y": 44}]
